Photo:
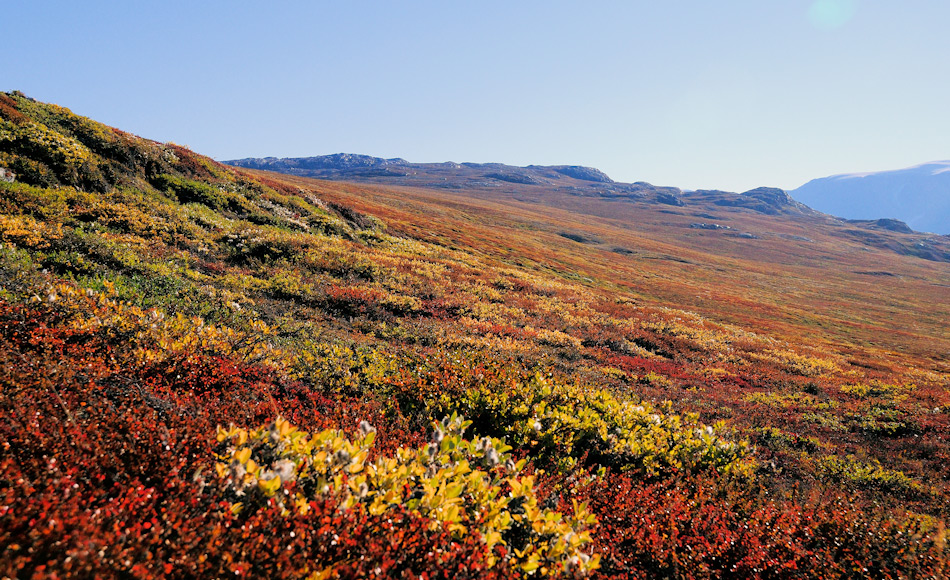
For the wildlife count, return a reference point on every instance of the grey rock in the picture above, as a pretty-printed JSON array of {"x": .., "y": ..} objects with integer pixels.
[
  {"x": 583, "y": 173},
  {"x": 670, "y": 199}
]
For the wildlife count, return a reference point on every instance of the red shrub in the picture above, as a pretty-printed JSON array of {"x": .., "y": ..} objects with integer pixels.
[{"x": 705, "y": 528}]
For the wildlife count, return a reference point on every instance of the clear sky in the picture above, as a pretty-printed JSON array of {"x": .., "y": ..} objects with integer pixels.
[{"x": 730, "y": 94}]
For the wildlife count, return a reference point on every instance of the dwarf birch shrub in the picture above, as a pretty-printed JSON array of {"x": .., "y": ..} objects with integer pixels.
[
  {"x": 562, "y": 422},
  {"x": 469, "y": 487}
]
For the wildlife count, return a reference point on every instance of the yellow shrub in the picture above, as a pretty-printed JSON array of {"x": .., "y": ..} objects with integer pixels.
[
  {"x": 799, "y": 364},
  {"x": 26, "y": 232},
  {"x": 463, "y": 486},
  {"x": 561, "y": 422}
]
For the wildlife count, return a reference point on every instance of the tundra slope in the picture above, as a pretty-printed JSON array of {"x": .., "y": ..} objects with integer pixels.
[{"x": 213, "y": 372}]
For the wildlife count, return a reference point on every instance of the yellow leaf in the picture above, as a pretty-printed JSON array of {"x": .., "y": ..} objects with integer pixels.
[
  {"x": 453, "y": 491},
  {"x": 531, "y": 565},
  {"x": 594, "y": 562},
  {"x": 324, "y": 574},
  {"x": 492, "y": 538},
  {"x": 303, "y": 506},
  {"x": 369, "y": 438},
  {"x": 284, "y": 427},
  {"x": 269, "y": 486},
  {"x": 243, "y": 455},
  {"x": 377, "y": 507}
]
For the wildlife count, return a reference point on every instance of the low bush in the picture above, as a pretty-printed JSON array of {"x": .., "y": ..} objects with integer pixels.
[{"x": 466, "y": 487}]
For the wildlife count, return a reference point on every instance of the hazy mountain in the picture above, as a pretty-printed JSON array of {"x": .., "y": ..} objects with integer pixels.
[
  {"x": 355, "y": 167},
  {"x": 543, "y": 183},
  {"x": 918, "y": 195}
]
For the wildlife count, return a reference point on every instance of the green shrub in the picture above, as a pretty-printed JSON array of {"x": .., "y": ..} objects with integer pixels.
[
  {"x": 562, "y": 422},
  {"x": 189, "y": 191},
  {"x": 870, "y": 475}
]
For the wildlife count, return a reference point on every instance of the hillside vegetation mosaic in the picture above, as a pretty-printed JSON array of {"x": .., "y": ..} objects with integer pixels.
[{"x": 215, "y": 372}]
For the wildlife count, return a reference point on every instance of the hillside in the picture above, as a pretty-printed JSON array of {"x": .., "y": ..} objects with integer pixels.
[
  {"x": 211, "y": 371},
  {"x": 918, "y": 195},
  {"x": 583, "y": 190}
]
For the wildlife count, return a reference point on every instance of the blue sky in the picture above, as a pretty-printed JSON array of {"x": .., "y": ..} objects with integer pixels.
[{"x": 691, "y": 93}]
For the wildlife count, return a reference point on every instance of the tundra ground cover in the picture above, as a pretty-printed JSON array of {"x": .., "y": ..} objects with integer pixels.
[{"x": 153, "y": 299}]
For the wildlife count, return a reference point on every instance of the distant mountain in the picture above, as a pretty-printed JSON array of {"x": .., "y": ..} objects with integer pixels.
[
  {"x": 323, "y": 163},
  {"x": 918, "y": 195},
  {"x": 356, "y": 167},
  {"x": 586, "y": 190},
  {"x": 545, "y": 184}
]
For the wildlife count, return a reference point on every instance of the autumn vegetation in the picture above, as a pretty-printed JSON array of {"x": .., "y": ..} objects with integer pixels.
[{"x": 210, "y": 372}]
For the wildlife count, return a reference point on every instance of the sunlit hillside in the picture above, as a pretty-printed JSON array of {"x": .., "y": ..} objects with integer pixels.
[{"x": 216, "y": 372}]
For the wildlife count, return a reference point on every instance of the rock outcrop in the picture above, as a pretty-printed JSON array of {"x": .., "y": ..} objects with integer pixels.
[{"x": 583, "y": 173}]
